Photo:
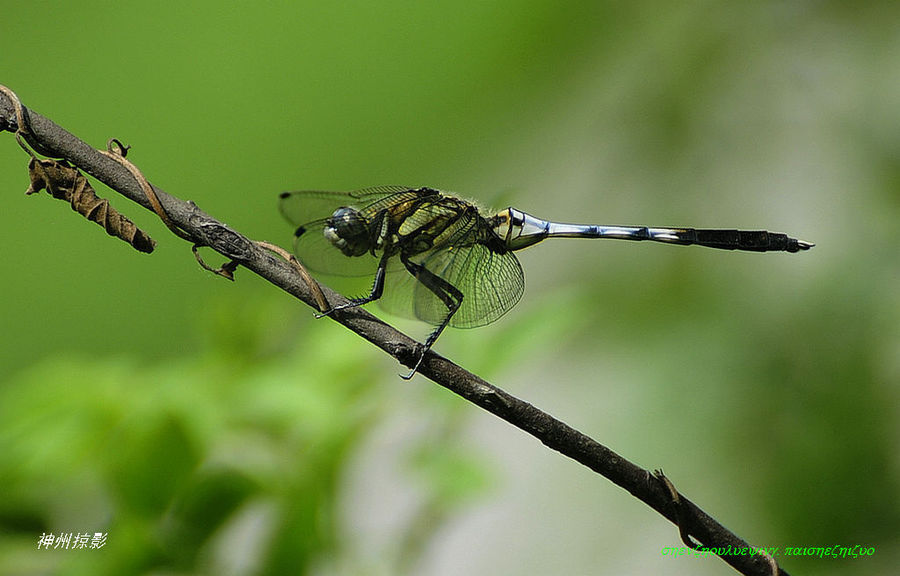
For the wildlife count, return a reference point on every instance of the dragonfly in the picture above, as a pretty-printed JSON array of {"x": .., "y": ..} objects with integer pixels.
[{"x": 435, "y": 257}]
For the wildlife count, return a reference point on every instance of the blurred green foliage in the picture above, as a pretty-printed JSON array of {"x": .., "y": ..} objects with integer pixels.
[
  {"x": 214, "y": 428},
  {"x": 195, "y": 463}
]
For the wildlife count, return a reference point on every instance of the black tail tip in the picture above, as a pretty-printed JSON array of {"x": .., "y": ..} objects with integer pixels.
[{"x": 799, "y": 245}]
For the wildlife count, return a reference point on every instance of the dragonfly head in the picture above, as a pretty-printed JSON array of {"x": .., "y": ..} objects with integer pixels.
[
  {"x": 517, "y": 229},
  {"x": 348, "y": 232}
]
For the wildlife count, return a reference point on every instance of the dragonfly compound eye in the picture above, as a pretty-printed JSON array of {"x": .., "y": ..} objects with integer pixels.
[{"x": 347, "y": 231}]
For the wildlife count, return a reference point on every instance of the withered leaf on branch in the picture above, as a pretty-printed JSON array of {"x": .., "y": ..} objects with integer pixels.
[{"x": 65, "y": 182}]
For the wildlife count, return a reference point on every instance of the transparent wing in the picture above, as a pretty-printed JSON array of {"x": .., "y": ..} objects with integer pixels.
[
  {"x": 308, "y": 211},
  {"x": 491, "y": 284},
  {"x": 318, "y": 254},
  {"x": 306, "y": 206}
]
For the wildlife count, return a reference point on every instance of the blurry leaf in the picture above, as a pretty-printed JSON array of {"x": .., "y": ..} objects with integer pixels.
[
  {"x": 154, "y": 463},
  {"x": 200, "y": 509},
  {"x": 453, "y": 475}
]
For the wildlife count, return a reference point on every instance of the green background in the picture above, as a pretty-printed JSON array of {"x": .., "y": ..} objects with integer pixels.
[{"x": 217, "y": 428}]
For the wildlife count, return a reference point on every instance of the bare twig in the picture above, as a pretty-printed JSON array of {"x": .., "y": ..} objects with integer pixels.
[{"x": 50, "y": 140}]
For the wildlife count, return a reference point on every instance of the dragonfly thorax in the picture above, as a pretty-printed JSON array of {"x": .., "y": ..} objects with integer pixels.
[{"x": 348, "y": 232}]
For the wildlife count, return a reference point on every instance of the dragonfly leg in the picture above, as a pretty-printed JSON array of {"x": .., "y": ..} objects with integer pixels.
[
  {"x": 446, "y": 292},
  {"x": 375, "y": 294}
]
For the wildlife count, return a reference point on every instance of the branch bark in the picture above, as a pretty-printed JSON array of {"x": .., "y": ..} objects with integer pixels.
[{"x": 49, "y": 139}]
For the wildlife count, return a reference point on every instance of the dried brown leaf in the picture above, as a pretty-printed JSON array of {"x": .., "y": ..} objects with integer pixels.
[{"x": 65, "y": 182}]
